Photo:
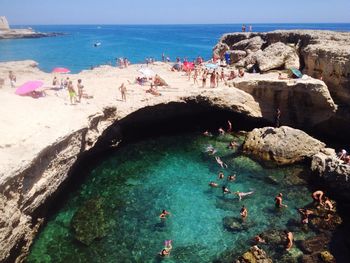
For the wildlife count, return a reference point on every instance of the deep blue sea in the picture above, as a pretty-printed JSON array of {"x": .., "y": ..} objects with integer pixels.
[{"x": 75, "y": 50}]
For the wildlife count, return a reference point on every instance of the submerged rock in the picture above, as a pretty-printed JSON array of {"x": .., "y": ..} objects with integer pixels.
[
  {"x": 235, "y": 224},
  {"x": 282, "y": 145},
  {"x": 89, "y": 222}
]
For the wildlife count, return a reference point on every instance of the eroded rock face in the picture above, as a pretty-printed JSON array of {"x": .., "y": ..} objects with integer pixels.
[
  {"x": 334, "y": 171},
  {"x": 254, "y": 255},
  {"x": 321, "y": 53},
  {"x": 282, "y": 145},
  {"x": 278, "y": 55},
  {"x": 303, "y": 103}
]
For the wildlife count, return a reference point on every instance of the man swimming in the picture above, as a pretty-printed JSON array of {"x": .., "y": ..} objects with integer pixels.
[
  {"x": 212, "y": 184},
  {"x": 225, "y": 190},
  {"x": 241, "y": 194},
  {"x": 164, "y": 214},
  {"x": 244, "y": 212},
  {"x": 221, "y": 175},
  {"x": 220, "y": 162},
  {"x": 210, "y": 149}
]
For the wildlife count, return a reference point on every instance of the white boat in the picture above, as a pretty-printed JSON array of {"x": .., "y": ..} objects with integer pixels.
[{"x": 97, "y": 44}]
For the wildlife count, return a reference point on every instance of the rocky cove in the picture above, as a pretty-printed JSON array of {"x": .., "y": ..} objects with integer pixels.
[{"x": 34, "y": 170}]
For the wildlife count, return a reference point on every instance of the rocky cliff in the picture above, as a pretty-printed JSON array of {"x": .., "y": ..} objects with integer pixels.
[
  {"x": 319, "y": 54},
  {"x": 4, "y": 25}
]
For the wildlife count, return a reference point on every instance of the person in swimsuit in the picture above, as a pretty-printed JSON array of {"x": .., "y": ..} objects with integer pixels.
[
  {"x": 231, "y": 177},
  {"x": 221, "y": 175},
  {"x": 212, "y": 184},
  {"x": 278, "y": 201},
  {"x": 305, "y": 215},
  {"x": 244, "y": 212},
  {"x": 317, "y": 196},
  {"x": 225, "y": 190},
  {"x": 289, "y": 237},
  {"x": 220, "y": 162},
  {"x": 241, "y": 194},
  {"x": 164, "y": 214},
  {"x": 71, "y": 91}
]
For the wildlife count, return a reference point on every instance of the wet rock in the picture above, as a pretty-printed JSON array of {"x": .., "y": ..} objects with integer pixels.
[
  {"x": 325, "y": 221},
  {"x": 315, "y": 244},
  {"x": 254, "y": 255},
  {"x": 89, "y": 222},
  {"x": 327, "y": 257},
  {"x": 282, "y": 145},
  {"x": 273, "y": 237}
]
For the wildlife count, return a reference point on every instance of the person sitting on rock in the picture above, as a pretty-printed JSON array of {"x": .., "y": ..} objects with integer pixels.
[
  {"x": 305, "y": 215},
  {"x": 241, "y": 73},
  {"x": 328, "y": 204}
]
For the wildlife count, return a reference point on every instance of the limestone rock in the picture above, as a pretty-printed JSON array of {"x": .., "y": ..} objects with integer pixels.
[
  {"x": 253, "y": 44},
  {"x": 315, "y": 244},
  {"x": 254, "y": 255},
  {"x": 276, "y": 56},
  {"x": 237, "y": 55},
  {"x": 282, "y": 145},
  {"x": 334, "y": 171},
  {"x": 303, "y": 103}
]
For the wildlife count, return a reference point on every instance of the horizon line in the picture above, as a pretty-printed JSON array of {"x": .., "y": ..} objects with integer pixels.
[{"x": 181, "y": 24}]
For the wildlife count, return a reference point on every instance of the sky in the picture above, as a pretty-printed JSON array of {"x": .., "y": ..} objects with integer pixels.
[{"x": 42, "y": 12}]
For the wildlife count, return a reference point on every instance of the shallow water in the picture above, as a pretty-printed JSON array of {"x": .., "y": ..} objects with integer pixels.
[{"x": 172, "y": 173}]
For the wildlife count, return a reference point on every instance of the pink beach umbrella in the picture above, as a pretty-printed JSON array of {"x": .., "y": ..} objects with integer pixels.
[
  {"x": 60, "y": 70},
  {"x": 29, "y": 87}
]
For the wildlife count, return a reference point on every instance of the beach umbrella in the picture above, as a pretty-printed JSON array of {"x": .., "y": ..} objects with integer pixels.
[
  {"x": 147, "y": 72},
  {"x": 211, "y": 66},
  {"x": 60, "y": 70},
  {"x": 296, "y": 72},
  {"x": 29, "y": 87}
]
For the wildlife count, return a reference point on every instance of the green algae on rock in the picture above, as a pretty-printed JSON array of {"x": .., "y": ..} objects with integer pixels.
[{"x": 89, "y": 222}]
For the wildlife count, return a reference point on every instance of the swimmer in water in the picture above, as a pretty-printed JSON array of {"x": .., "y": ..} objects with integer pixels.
[
  {"x": 210, "y": 149},
  {"x": 258, "y": 239},
  {"x": 241, "y": 194},
  {"x": 207, "y": 133},
  {"x": 221, "y": 175},
  {"x": 225, "y": 190},
  {"x": 164, "y": 214},
  {"x": 167, "y": 249},
  {"x": 220, "y": 162},
  {"x": 212, "y": 184},
  {"x": 244, "y": 212},
  {"x": 231, "y": 177},
  {"x": 232, "y": 145},
  {"x": 221, "y": 131},
  {"x": 278, "y": 201}
]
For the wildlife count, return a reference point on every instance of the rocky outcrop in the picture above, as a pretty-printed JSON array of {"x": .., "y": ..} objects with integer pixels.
[
  {"x": 254, "y": 255},
  {"x": 4, "y": 25},
  {"x": 277, "y": 55},
  {"x": 282, "y": 145},
  {"x": 25, "y": 33},
  {"x": 333, "y": 171},
  {"x": 321, "y": 53},
  {"x": 303, "y": 103}
]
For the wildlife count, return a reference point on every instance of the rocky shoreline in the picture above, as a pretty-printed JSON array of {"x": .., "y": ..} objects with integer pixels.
[
  {"x": 25, "y": 33},
  {"x": 34, "y": 168}
]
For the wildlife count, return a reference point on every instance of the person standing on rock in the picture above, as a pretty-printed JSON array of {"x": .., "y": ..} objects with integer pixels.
[
  {"x": 289, "y": 237},
  {"x": 122, "y": 89},
  {"x": 277, "y": 118}
]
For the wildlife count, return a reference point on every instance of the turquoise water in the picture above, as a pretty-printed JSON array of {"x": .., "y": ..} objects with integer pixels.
[
  {"x": 139, "y": 180},
  {"x": 136, "y": 42}
]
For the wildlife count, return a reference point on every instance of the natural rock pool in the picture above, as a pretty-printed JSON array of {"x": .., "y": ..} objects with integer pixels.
[{"x": 115, "y": 212}]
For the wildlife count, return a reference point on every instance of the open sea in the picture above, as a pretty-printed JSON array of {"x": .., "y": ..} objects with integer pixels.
[{"x": 75, "y": 50}]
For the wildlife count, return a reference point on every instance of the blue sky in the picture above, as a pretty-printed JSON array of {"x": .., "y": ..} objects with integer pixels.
[{"x": 173, "y": 12}]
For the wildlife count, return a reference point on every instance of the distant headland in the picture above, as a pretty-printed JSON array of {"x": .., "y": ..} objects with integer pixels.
[{"x": 7, "y": 33}]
